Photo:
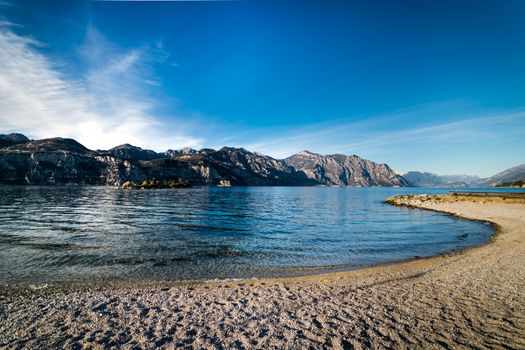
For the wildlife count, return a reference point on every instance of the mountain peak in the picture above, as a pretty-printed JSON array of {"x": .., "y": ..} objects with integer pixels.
[
  {"x": 307, "y": 153},
  {"x": 51, "y": 145},
  {"x": 344, "y": 170},
  {"x": 130, "y": 152},
  {"x": 12, "y": 139}
]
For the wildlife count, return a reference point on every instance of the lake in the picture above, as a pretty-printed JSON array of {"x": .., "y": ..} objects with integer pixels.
[{"x": 76, "y": 233}]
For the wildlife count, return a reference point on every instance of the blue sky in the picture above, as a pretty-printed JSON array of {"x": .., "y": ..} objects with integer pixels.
[{"x": 431, "y": 86}]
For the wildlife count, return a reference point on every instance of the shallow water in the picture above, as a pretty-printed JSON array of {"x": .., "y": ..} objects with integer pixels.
[{"x": 87, "y": 233}]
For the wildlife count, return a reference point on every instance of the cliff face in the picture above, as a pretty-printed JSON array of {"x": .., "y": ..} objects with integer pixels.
[
  {"x": 58, "y": 161},
  {"x": 244, "y": 168},
  {"x": 342, "y": 170},
  {"x": 65, "y": 161}
]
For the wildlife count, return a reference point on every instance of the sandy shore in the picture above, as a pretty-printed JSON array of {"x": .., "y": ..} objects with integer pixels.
[{"x": 472, "y": 299}]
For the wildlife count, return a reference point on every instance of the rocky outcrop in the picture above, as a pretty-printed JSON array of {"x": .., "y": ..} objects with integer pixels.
[
  {"x": 155, "y": 184},
  {"x": 430, "y": 200},
  {"x": 342, "y": 170}
]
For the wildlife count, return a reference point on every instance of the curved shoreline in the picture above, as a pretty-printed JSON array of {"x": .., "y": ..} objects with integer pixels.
[
  {"x": 292, "y": 273},
  {"x": 471, "y": 298}
]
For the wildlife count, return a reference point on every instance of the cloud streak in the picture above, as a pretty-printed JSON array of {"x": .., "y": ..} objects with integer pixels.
[
  {"x": 114, "y": 98},
  {"x": 108, "y": 104},
  {"x": 377, "y": 135}
]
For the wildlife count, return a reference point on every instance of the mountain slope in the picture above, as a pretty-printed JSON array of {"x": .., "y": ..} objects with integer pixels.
[
  {"x": 241, "y": 167},
  {"x": 12, "y": 139},
  {"x": 52, "y": 161},
  {"x": 65, "y": 161},
  {"x": 129, "y": 152},
  {"x": 342, "y": 170},
  {"x": 424, "y": 179},
  {"x": 510, "y": 175}
]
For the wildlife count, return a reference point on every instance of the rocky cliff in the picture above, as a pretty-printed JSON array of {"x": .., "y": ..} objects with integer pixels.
[
  {"x": 343, "y": 170},
  {"x": 65, "y": 161},
  {"x": 241, "y": 167},
  {"x": 58, "y": 161}
]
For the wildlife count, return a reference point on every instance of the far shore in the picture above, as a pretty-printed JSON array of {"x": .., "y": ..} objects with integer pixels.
[{"x": 473, "y": 298}]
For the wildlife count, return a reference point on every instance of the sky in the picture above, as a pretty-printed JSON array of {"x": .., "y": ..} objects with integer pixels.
[{"x": 434, "y": 86}]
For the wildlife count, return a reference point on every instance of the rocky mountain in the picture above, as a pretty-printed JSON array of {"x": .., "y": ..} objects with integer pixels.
[
  {"x": 343, "y": 170},
  {"x": 182, "y": 152},
  {"x": 56, "y": 161},
  {"x": 424, "y": 179},
  {"x": 65, "y": 161},
  {"x": 513, "y": 184},
  {"x": 241, "y": 167},
  {"x": 510, "y": 175},
  {"x": 129, "y": 152},
  {"x": 12, "y": 139}
]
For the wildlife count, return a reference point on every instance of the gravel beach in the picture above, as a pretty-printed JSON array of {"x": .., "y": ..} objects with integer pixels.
[{"x": 469, "y": 299}]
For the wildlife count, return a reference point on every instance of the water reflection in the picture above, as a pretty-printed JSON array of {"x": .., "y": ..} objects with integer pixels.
[{"x": 76, "y": 233}]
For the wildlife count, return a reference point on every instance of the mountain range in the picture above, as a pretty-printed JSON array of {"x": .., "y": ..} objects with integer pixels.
[
  {"x": 65, "y": 161},
  {"x": 424, "y": 179},
  {"x": 512, "y": 177}
]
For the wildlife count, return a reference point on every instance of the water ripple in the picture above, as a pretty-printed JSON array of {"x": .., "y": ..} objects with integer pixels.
[{"x": 77, "y": 233}]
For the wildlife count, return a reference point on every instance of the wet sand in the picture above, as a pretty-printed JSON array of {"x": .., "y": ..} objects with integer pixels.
[{"x": 470, "y": 299}]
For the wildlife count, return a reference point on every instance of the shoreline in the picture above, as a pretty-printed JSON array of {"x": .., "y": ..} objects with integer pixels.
[
  {"x": 293, "y": 273},
  {"x": 471, "y": 297}
]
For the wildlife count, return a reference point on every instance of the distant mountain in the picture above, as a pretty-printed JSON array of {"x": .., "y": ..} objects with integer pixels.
[
  {"x": 517, "y": 184},
  {"x": 65, "y": 161},
  {"x": 12, "y": 139},
  {"x": 510, "y": 175},
  {"x": 129, "y": 152},
  {"x": 343, "y": 170},
  {"x": 424, "y": 179},
  {"x": 468, "y": 179},
  {"x": 182, "y": 152}
]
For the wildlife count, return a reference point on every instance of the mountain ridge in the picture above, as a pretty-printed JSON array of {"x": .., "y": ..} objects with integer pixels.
[
  {"x": 426, "y": 179},
  {"x": 507, "y": 176},
  {"x": 65, "y": 161},
  {"x": 344, "y": 170}
]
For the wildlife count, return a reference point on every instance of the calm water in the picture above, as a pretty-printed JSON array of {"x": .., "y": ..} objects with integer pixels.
[{"x": 79, "y": 233}]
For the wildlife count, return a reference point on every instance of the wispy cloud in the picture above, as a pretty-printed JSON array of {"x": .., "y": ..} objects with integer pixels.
[
  {"x": 114, "y": 98},
  {"x": 398, "y": 137},
  {"x": 107, "y": 104},
  {"x": 9, "y": 24}
]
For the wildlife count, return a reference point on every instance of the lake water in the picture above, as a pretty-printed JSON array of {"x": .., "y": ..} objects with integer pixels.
[{"x": 92, "y": 233}]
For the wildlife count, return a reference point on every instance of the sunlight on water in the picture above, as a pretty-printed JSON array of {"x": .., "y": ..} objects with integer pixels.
[{"x": 79, "y": 233}]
